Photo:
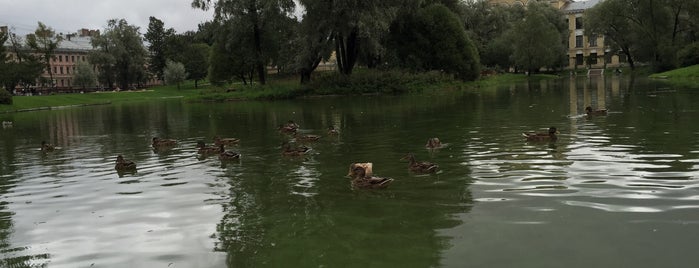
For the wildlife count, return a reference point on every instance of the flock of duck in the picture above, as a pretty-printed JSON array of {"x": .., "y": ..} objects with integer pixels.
[{"x": 361, "y": 174}]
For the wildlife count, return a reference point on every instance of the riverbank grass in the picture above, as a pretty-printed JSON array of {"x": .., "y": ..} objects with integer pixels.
[{"x": 691, "y": 72}]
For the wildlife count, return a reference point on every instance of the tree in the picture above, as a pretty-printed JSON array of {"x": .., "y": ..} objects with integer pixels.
[
  {"x": 537, "y": 41},
  {"x": 156, "y": 37},
  {"x": 44, "y": 42},
  {"x": 434, "y": 39},
  {"x": 24, "y": 69},
  {"x": 255, "y": 18},
  {"x": 174, "y": 73},
  {"x": 609, "y": 18},
  {"x": 84, "y": 75},
  {"x": 119, "y": 54},
  {"x": 196, "y": 63}
]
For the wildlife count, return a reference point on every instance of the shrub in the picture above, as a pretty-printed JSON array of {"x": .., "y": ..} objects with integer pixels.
[
  {"x": 689, "y": 55},
  {"x": 5, "y": 97}
]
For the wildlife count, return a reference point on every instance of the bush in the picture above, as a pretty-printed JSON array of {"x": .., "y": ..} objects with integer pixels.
[
  {"x": 5, "y": 97},
  {"x": 373, "y": 81},
  {"x": 689, "y": 55}
]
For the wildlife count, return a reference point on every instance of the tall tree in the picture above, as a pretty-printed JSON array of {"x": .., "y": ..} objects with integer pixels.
[
  {"x": 44, "y": 42},
  {"x": 257, "y": 17},
  {"x": 434, "y": 39},
  {"x": 23, "y": 69},
  {"x": 156, "y": 37},
  {"x": 537, "y": 42},
  {"x": 610, "y": 19},
  {"x": 120, "y": 54},
  {"x": 196, "y": 62}
]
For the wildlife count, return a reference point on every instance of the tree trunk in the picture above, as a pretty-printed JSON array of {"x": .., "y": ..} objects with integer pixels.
[
  {"x": 261, "y": 72},
  {"x": 347, "y": 51}
]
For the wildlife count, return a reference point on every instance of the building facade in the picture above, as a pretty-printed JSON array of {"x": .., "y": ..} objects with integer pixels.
[{"x": 583, "y": 51}]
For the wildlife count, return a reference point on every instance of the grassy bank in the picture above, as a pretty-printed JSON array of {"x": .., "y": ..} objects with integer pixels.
[
  {"x": 286, "y": 87},
  {"x": 23, "y": 103},
  {"x": 691, "y": 72}
]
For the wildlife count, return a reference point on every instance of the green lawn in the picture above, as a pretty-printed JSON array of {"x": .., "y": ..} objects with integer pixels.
[{"x": 691, "y": 72}]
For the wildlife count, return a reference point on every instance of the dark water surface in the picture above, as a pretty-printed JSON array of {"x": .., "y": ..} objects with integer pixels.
[{"x": 620, "y": 190}]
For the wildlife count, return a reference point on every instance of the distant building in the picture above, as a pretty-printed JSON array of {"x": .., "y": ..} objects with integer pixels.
[
  {"x": 583, "y": 51},
  {"x": 73, "y": 49}
]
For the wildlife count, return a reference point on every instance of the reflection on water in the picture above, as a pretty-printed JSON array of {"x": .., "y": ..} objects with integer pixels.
[{"x": 605, "y": 194}]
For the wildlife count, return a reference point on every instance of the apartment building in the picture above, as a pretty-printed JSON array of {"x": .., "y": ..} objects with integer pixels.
[{"x": 583, "y": 51}]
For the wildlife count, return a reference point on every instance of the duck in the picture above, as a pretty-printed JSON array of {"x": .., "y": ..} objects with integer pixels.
[
  {"x": 6, "y": 124},
  {"x": 298, "y": 151},
  {"x": 45, "y": 147},
  {"x": 206, "y": 150},
  {"x": 306, "y": 137},
  {"x": 433, "y": 143},
  {"x": 225, "y": 141},
  {"x": 289, "y": 128},
  {"x": 160, "y": 143},
  {"x": 550, "y": 136},
  {"x": 368, "y": 166},
  {"x": 227, "y": 155},
  {"x": 361, "y": 180},
  {"x": 124, "y": 165},
  {"x": 590, "y": 112},
  {"x": 332, "y": 131},
  {"x": 420, "y": 167}
]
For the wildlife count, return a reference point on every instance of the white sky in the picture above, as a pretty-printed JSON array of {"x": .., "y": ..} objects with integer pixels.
[{"x": 67, "y": 16}]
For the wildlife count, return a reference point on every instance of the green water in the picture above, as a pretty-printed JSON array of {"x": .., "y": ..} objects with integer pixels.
[{"x": 614, "y": 191}]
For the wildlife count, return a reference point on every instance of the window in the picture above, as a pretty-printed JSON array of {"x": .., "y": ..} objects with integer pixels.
[
  {"x": 54, "y": 69},
  {"x": 60, "y": 58},
  {"x": 61, "y": 69},
  {"x": 593, "y": 40},
  {"x": 578, "y": 59},
  {"x": 83, "y": 58},
  {"x": 579, "y": 41},
  {"x": 592, "y": 59},
  {"x": 578, "y": 23},
  {"x": 608, "y": 58},
  {"x": 72, "y": 58}
]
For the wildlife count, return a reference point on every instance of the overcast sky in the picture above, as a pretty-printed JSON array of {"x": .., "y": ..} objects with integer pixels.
[{"x": 67, "y": 16}]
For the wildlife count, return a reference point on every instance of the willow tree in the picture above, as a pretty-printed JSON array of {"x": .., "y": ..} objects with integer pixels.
[
  {"x": 44, "y": 42},
  {"x": 255, "y": 18}
]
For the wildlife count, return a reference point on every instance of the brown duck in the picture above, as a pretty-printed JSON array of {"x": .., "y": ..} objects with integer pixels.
[
  {"x": 590, "y": 112},
  {"x": 361, "y": 180},
  {"x": 419, "y": 167},
  {"x": 550, "y": 136},
  {"x": 124, "y": 165}
]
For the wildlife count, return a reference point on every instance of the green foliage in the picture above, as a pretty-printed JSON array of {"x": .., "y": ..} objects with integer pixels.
[
  {"x": 44, "y": 42},
  {"x": 689, "y": 55},
  {"x": 174, "y": 73},
  {"x": 5, "y": 97},
  {"x": 433, "y": 39},
  {"x": 536, "y": 40},
  {"x": 385, "y": 82},
  {"x": 84, "y": 75},
  {"x": 119, "y": 54},
  {"x": 156, "y": 37},
  {"x": 196, "y": 61}
]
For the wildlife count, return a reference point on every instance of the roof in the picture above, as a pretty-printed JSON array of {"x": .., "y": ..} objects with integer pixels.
[
  {"x": 579, "y": 6},
  {"x": 76, "y": 43}
]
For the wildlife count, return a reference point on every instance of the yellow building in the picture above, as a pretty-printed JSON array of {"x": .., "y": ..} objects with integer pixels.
[{"x": 583, "y": 51}]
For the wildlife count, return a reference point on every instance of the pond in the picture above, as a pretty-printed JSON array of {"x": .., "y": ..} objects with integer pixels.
[{"x": 620, "y": 190}]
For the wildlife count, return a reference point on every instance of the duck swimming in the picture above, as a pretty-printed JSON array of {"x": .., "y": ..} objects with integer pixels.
[
  {"x": 298, "y": 151},
  {"x": 590, "y": 112},
  {"x": 45, "y": 147},
  {"x": 163, "y": 143},
  {"x": 361, "y": 180},
  {"x": 227, "y": 155},
  {"x": 304, "y": 137},
  {"x": 368, "y": 166},
  {"x": 124, "y": 165},
  {"x": 225, "y": 141},
  {"x": 433, "y": 143},
  {"x": 332, "y": 131},
  {"x": 550, "y": 136},
  {"x": 207, "y": 150},
  {"x": 420, "y": 167}
]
